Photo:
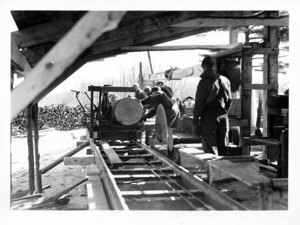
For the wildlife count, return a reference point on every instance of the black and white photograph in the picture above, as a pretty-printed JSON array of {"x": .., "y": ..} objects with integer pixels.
[{"x": 147, "y": 111}]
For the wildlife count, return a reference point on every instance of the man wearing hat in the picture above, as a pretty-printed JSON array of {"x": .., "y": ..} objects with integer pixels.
[
  {"x": 212, "y": 103},
  {"x": 165, "y": 88}
]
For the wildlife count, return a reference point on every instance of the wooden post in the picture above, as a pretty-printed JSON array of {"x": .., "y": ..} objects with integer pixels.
[
  {"x": 141, "y": 83},
  {"x": 150, "y": 62},
  {"x": 38, "y": 177},
  {"x": 283, "y": 155},
  {"x": 233, "y": 35},
  {"x": 246, "y": 95},
  {"x": 92, "y": 112},
  {"x": 30, "y": 149},
  {"x": 270, "y": 75}
]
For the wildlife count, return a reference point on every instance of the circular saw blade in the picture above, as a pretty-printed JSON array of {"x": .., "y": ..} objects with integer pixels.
[
  {"x": 162, "y": 133},
  {"x": 161, "y": 126}
]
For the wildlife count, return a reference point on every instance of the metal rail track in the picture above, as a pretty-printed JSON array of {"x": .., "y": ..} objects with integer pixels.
[{"x": 147, "y": 180}]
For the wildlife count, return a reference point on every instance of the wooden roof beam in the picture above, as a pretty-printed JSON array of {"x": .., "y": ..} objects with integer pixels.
[
  {"x": 234, "y": 22},
  {"x": 151, "y": 38},
  {"x": 18, "y": 59},
  {"x": 176, "y": 48},
  {"x": 60, "y": 57},
  {"x": 54, "y": 30}
]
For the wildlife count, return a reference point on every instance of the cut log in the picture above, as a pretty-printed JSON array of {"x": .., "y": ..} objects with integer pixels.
[{"x": 128, "y": 111}]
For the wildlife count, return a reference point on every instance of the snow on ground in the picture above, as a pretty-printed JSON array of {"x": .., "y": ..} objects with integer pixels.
[{"x": 52, "y": 143}]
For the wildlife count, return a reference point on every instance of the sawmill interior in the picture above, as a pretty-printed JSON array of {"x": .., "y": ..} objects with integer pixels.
[{"x": 133, "y": 164}]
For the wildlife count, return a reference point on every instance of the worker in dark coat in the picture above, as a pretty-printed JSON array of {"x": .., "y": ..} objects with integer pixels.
[
  {"x": 139, "y": 94},
  {"x": 165, "y": 88},
  {"x": 212, "y": 103},
  {"x": 159, "y": 97}
]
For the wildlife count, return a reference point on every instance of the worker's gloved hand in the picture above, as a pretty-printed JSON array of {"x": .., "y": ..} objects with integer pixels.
[{"x": 144, "y": 118}]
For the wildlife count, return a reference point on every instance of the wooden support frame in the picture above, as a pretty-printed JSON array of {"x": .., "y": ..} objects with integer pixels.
[
  {"x": 261, "y": 87},
  {"x": 59, "y": 160},
  {"x": 81, "y": 36},
  {"x": 234, "y": 22},
  {"x": 246, "y": 95}
]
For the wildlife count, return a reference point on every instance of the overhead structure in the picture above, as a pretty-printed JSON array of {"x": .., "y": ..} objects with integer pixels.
[{"x": 39, "y": 31}]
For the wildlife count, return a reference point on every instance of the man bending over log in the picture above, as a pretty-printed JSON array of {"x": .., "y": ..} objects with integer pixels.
[{"x": 159, "y": 97}]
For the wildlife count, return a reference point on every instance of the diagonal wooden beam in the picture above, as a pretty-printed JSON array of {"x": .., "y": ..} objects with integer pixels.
[
  {"x": 234, "y": 22},
  {"x": 67, "y": 73},
  {"x": 81, "y": 36}
]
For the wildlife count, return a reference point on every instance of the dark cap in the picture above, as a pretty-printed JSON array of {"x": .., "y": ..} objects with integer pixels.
[
  {"x": 208, "y": 61},
  {"x": 160, "y": 82}
]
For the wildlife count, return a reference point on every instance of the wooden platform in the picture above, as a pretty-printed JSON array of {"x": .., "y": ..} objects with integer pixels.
[{"x": 246, "y": 172}]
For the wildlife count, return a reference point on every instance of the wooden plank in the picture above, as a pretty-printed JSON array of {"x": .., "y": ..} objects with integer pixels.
[
  {"x": 265, "y": 51},
  {"x": 154, "y": 77},
  {"x": 249, "y": 175},
  {"x": 69, "y": 71},
  {"x": 233, "y": 35},
  {"x": 233, "y": 51},
  {"x": 283, "y": 158},
  {"x": 111, "y": 89},
  {"x": 176, "y": 47},
  {"x": 140, "y": 171},
  {"x": 158, "y": 193},
  {"x": 112, "y": 156},
  {"x": 109, "y": 48},
  {"x": 142, "y": 156},
  {"x": 246, "y": 95},
  {"x": 81, "y": 36},
  {"x": 234, "y": 22},
  {"x": 95, "y": 192},
  {"x": 59, "y": 160},
  {"x": 81, "y": 161},
  {"x": 145, "y": 163},
  {"x": 270, "y": 75},
  {"x": 43, "y": 33},
  {"x": 114, "y": 197},
  {"x": 144, "y": 177},
  {"x": 18, "y": 59},
  {"x": 261, "y": 86},
  {"x": 261, "y": 141}
]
